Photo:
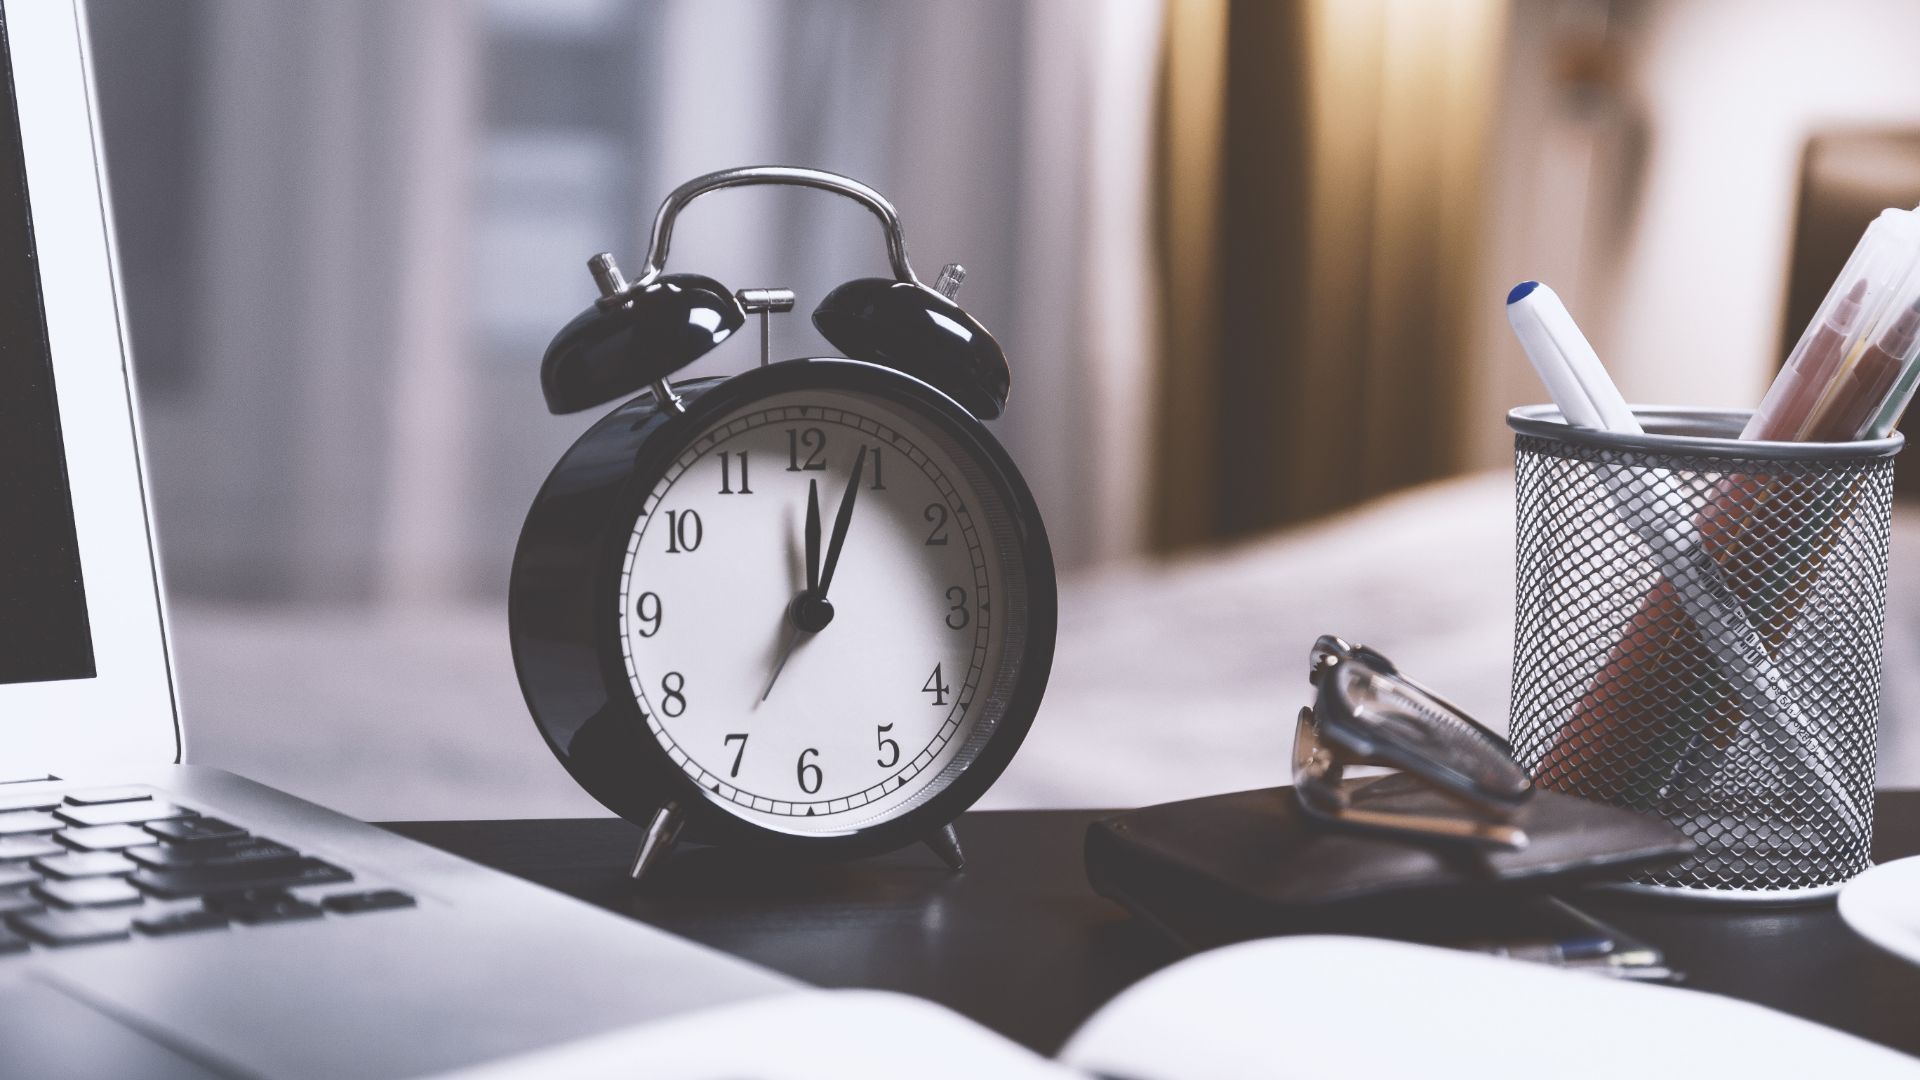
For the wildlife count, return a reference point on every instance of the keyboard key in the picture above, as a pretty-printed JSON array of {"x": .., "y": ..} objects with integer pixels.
[
  {"x": 249, "y": 850},
  {"x": 377, "y": 900},
  {"x": 288, "y": 910},
  {"x": 84, "y": 864},
  {"x": 199, "y": 880},
  {"x": 180, "y": 922},
  {"x": 28, "y": 847},
  {"x": 73, "y": 927},
  {"x": 100, "y": 796},
  {"x": 91, "y": 892},
  {"x": 196, "y": 830},
  {"x": 121, "y": 813},
  {"x": 19, "y": 902},
  {"x": 12, "y": 874},
  {"x": 11, "y": 942},
  {"x": 27, "y": 821},
  {"x": 104, "y": 838},
  {"x": 9, "y": 803}
]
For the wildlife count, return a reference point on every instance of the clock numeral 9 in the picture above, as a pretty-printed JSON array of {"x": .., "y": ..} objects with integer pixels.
[
  {"x": 889, "y": 749},
  {"x": 649, "y": 611},
  {"x": 936, "y": 687},
  {"x": 957, "y": 614},
  {"x": 738, "y": 751},
  {"x": 674, "y": 687},
  {"x": 814, "y": 441},
  {"x": 937, "y": 514},
  {"x": 726, "y": 473},
  {"x": 684, "y": 531},
  {"x": 806, "y": 769}
]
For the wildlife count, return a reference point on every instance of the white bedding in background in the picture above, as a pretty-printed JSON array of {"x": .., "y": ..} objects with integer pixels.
[{"x": 1172, "y": 679}]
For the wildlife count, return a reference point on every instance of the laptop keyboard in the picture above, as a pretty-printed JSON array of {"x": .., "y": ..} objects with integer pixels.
[{"x": 120, "y": 863}]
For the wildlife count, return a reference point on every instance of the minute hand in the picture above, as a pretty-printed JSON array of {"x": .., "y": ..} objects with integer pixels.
[{"x": 840, "y": 522}]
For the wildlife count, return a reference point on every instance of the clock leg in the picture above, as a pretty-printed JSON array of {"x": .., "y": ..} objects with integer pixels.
[
  {"x": 946, "y": 844},
  {"x": 661, "y": 833}
]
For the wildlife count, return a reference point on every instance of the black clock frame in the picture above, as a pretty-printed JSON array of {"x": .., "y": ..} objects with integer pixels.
[{"x": 566, "y": 635}]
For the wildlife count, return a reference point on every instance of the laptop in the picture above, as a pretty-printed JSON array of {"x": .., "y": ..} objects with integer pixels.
[{"x": 162, "y": 920}]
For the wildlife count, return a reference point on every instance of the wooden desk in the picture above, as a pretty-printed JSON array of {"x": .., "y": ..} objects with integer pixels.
[{"x": 1019, "y": 943}]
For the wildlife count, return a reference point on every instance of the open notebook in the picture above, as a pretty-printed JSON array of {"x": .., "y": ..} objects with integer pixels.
[{"x": 1285, "y": 1007}]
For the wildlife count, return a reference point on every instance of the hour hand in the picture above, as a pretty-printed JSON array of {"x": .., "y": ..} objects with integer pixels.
[{"x": 813, "y": 536}]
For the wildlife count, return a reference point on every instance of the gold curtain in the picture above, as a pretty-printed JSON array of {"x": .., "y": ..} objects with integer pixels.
[{"x": 1320, "y": 191}]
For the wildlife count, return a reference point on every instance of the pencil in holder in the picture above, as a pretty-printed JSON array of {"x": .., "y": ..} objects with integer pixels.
[{"x": 1698, "y": 628}]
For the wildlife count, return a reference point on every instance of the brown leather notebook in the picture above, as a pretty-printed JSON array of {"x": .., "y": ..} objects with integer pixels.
[{"x": 1252, "y": 864}]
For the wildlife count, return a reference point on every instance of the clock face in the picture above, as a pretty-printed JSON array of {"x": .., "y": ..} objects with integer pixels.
[{"x": 818, "y": 688}]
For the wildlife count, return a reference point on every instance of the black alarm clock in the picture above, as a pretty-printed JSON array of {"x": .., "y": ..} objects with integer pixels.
[{"x": 806, "y": 609}]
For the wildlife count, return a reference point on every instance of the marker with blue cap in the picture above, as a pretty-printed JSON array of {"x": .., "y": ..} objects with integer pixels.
[{"x": 1565, "y": 361}]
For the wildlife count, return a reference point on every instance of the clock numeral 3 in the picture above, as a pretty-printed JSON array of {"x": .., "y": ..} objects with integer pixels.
[
  {"x": 806, "y": 769},
  {"x": 738, "y": 752},
  {"x": 674, "y": 687},
  {"x": 889, "y": 750},
  {"x": 936, "y": 687},
  {"x": 937, "y": 514},
  {"x": 649, "y": 611},
  {"x": 726, "y": 473},
  {"x": 684, "y": 531},
  {"x": 957, "y": 614},
  {"x": 814, "y": 441}
]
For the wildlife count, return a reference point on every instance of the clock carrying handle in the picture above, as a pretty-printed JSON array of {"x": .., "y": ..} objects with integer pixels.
[{"x": 786, "y": 176}]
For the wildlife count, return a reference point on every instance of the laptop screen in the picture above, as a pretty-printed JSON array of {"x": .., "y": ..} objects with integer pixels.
[{"x": 44, "y": 634}]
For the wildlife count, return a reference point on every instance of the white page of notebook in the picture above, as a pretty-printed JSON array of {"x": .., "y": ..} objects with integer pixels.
[
  {"x": 808, "y": 1035},
  {"x": 1343, "y": 1006}
]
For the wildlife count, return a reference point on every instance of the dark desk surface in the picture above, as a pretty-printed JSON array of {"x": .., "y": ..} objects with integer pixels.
[{"x": 1019, "y": 943}]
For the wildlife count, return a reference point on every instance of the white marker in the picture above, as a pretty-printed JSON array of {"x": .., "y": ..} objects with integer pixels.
[{"x": 1565, "y": 361}]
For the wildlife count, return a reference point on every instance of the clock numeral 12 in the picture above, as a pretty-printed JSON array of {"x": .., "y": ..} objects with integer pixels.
[
  {"x": 684, "y": 531},
  {"x": 726, "y": 473},
  {"x": 936, "y": 687},
  {"x": 814, "y": 441}
]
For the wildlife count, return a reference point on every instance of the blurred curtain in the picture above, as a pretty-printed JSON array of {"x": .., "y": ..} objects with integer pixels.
[
  {"x": 349, "y": 229},
  {"x": 1319, "y": 201}
]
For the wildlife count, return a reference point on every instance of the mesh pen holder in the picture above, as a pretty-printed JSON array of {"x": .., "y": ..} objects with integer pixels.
[{"x": 1697, "y": 634}]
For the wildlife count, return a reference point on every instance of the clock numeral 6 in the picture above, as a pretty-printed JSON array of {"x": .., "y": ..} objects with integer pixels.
[
  {"x": 649, "y": 611},
  {"x": 726, "y": 473},
  {"x": 813, "y": 441},
  {"x": 936, "y": 687},
  {"x": 957, "y": 614},
  {"x": 738, "y": 751},
  {"x": 808, "y": 773},
  {"x": 674, "y": 687},
  {"x": 889, "y": 750},
  {"x": 937, "y": 514}
]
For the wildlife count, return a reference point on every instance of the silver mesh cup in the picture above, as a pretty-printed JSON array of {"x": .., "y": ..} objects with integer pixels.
[{"x": 1697, "y": 634}]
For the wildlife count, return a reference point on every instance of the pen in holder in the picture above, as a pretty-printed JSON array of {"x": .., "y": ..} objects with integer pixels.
[{"x": 1697, "y": 635}]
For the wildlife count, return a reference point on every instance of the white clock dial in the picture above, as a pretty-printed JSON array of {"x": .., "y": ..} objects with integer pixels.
[{"x": 876, "y": 710}]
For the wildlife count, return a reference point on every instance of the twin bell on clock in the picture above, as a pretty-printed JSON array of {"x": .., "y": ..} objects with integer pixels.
[{"x": 808, "y": 609}]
